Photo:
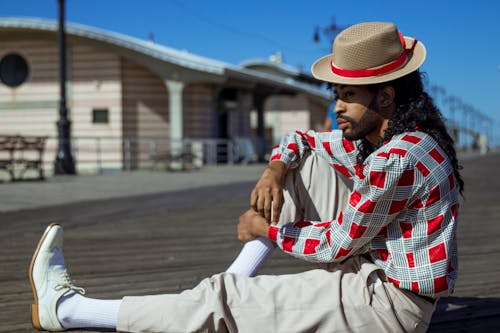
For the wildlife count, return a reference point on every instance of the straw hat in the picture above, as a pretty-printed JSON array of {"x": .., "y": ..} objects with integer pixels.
[{"x": 369, "y": 53}]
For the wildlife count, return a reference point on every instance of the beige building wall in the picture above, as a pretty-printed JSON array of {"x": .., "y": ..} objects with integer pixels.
[
  {"x": 94, "y": 82},
  {"x": 247, "y": 105},
  {"x": 145, "y": 114},
  {"x": 31, "y": 108},
  {"x": 137, "y": 105},
  {"x": 145, "y": 103},
  {"x": 239, "y": 118},
  {"x": 318, "y": 112},
  {"x": 199, "y": 109},
  {"x": 284, "y": 114}
]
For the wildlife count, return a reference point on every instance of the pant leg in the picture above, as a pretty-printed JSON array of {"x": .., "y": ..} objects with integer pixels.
[
  {"x": 314, "y": 191},
  {"x": 413, "y": 312},
  {"x": 343, "y": 299}
]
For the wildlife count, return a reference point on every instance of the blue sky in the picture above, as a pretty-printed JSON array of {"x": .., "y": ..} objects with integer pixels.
[{"x": 462, "y": 37}]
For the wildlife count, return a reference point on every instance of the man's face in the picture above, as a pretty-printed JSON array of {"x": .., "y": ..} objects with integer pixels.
[{"x": 357, "y": 112}]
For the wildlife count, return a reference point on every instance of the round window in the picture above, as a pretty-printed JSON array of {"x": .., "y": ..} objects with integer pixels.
[{"x": 13, "y": 70}]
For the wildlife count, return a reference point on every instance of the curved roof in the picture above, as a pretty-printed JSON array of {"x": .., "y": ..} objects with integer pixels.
[
  {"x": 280, "y": 69},
  {"x": 157, "y": 51},
  {"x": 164, "y": 53},
  {"x": 284, "y": 68}
]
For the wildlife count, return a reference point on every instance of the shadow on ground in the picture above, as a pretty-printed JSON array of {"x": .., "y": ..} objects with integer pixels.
[{"x": 477, "y": 314}]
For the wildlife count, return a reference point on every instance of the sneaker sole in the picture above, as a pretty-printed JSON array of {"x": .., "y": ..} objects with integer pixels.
[{"x": 35, "y": 319}]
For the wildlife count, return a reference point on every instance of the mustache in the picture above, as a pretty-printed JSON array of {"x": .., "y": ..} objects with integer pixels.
[
  {"x": 346, "y": 118},
  {"x": 372, "y": 106}
]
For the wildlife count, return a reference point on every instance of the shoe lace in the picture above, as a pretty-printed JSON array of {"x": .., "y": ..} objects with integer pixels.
[{"x": 67, "y": 283}]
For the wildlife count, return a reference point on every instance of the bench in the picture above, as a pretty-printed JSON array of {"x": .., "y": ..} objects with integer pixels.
[
  {"x": 162, "y": 160},
  {"x": 19, "y": 154}
]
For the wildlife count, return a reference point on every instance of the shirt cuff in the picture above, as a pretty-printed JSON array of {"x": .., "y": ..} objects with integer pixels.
[
  {"x": 278, "y": 154},
  {"x": 272, "y": 232}
]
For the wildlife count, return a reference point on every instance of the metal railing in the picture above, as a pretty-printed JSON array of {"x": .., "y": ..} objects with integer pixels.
[{"x": 105, "y": 154}]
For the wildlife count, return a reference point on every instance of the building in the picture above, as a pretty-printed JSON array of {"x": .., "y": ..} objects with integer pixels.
[{"x": 133, "y": 102}]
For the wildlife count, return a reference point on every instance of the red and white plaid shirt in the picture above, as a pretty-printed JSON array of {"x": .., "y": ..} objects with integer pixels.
[{"x": 402, "y": 210}]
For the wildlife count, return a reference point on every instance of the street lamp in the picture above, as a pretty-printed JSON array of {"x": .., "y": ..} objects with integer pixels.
[
  {"x": 330, "y": 31},
  {"x": 64, "y": 163}
]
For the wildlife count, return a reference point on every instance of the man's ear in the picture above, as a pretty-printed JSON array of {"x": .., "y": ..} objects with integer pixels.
[{"x": 386, "y": 97}]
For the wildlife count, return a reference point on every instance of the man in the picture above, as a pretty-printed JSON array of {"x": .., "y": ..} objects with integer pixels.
[{"x": 389, "y": 253}]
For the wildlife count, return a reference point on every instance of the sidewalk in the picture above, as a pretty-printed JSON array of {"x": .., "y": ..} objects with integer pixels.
[
  {"x": 58, "y": 190},
  {"x": 71, "y": 189}
]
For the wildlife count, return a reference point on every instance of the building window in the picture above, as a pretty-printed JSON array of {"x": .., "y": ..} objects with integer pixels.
[
  {"x": 13, "y": 70},
  {"x": 100, "y": 116}
]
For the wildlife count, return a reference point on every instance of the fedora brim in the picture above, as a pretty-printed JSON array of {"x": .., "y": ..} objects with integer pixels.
[{"x": 322, "y": 70}]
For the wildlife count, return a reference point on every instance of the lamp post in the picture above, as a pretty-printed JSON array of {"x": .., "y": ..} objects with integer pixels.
[
  {"x": 64, "y": 163},
  {"x": 330, "y": 31}
]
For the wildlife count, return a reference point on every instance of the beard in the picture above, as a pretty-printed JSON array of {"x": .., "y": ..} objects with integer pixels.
[{"x": 369, "y": 122}]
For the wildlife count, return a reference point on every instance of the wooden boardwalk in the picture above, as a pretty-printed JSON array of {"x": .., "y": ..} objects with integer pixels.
[{"x": 167, "y": 242}]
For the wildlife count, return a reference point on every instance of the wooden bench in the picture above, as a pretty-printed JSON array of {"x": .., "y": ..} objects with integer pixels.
[
  {"x": 19, "y": 154},
  {"x": 163, "y": 160}
]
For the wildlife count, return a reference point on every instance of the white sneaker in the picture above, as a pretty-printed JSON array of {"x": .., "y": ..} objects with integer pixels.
[{"x": 49, "y": 280}]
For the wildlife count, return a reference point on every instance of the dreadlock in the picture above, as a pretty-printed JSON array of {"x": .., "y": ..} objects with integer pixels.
[{"x": 415, "y": 109}]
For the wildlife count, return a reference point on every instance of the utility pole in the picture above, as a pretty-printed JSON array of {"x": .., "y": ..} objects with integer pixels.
[{"x": 64, "y": 163}]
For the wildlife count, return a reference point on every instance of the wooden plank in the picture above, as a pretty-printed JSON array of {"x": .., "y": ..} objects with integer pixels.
[{"x": 169, "y": 242}]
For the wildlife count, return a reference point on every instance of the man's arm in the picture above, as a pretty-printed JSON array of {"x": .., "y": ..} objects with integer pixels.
[
  {"x": 268, "y": 192},
  {"x": 331, "y": 146},
  {"x": 372, "y": 205}
]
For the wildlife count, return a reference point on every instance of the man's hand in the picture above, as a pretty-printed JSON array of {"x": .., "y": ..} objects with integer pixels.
[
  {"x": 269, "y": 192},
  {"x": 251, "y": 225}
]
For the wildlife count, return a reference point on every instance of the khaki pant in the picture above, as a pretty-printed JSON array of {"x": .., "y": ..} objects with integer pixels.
[
  {"x": 353, "y": 296},
  {"x": 314, "y": 192}
]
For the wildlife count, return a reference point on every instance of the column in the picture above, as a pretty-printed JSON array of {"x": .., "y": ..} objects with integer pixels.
[
  {"x": 175, "y": 89},
  {"x": 258, "y": 102}
]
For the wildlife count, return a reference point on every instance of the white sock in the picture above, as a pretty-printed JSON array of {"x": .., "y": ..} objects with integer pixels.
[
  {"x": 77, "y": 311},
  {"x": 251, "y": 257}
]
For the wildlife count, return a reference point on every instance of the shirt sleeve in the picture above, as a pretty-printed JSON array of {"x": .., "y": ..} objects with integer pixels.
[
  {"x": 332, "y": 146},
  {"x": 381, "y": 192}
]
